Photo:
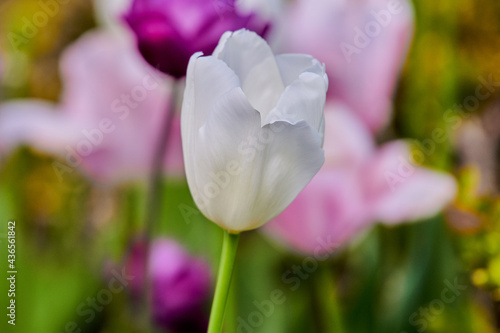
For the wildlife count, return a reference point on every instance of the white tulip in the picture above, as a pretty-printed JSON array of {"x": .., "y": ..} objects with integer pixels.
[{"x": 252, "y": 129}]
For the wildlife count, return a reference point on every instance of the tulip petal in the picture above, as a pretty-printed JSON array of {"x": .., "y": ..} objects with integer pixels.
[
  {"x": 302, "y": 100},
  {"x": 109, "y": 119},
  {"x": 207, "y": 79},
  {"x": 100, "y": 69},
  {"x": 35, "y": 123},
  {"x": 325, "y": 215},
  {"x": 212, "y": 79},
  {"x": 215, "y": 147},
  {"x": 362, "y": 69},
  {"x": 257, "y": 171},
  {"x": 291, "y": 65},
  {"x": 107, "y": 82},
  {"x": 251, "y": 58},
  {"x": 348, "y": 142},
  {"x": 400, "y": 191}
]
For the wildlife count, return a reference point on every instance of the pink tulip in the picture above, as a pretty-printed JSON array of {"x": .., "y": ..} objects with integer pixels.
[
  {"x": 363, "y": 44},
  {"x": 358, "y": 186},
  {"x": 397, "y": 191},
  {"x": 35, "y": 123},
  {"x": 109, "y": 118}
]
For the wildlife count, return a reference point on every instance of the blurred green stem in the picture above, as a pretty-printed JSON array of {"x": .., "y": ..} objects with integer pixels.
[
  {"x": 327, "y": 297},
  {"x": 229, "y": 246},
  {"x": 155, "y": 196},
  {"x": 155, "y": 183}
]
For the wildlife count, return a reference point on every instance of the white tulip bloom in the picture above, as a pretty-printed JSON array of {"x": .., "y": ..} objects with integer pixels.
[{"x": 252, "y": 129}]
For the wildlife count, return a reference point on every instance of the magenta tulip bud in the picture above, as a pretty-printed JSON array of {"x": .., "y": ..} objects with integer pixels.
[
  {"x": 170, "y": 31},
  {"x": 181, "y": 285}
]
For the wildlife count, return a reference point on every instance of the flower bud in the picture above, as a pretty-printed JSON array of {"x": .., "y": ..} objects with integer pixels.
[{"x": 252, "y": 127}]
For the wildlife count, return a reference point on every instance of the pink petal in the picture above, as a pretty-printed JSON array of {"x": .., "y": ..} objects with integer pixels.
[
  {"x": 35, "y": 123},
  {"x": 400, "y": 191},
  {"x": 347, "y": 141},
  {"x": 106, "y": 80},
  {"x": 110, "y": 117},
  {"x": 365, "y": 79},
  {"x": 329, "y": 210}
]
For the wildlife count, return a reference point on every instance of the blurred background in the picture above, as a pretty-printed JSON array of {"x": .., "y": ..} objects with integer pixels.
[{"x": 430, "y": 78}]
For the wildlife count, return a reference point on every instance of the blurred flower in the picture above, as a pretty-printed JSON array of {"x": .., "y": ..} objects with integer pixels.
[
  {"x": 108, "y": 13},
  {"x": 463, "y": 220},
  {"x": 363, "y": 44},
  {"x": 170, "y": 31},
  {"x": 268, "y": 9},
  {"x": 252, "y": 127},
  {"x": 477, "y": 141},
  {"x": 357, "y": 186},
  {"x": 109, "y": 117},
  {"x": 181, "y": 285}
]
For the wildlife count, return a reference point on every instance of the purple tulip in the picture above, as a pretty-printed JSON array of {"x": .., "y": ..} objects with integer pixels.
[
  {"x": 181, "y": 285},
  {"x": 170, "y": 31}
]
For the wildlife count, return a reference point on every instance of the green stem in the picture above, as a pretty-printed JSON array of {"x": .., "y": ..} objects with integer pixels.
[
  {"x": 231, "y": 310},
  {"x": 229, "y": 246},
  {"x": 155, "y": 193},
  {"x": 155, "y": 197},
  {"x": 331, "y": 315}
]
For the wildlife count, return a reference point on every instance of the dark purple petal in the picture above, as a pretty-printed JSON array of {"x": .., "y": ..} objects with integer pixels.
[
  {"x": 169, "y": 31},
  {"x": 181, "y": 285}
]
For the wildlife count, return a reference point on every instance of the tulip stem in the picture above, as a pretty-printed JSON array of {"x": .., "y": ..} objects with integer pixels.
[
  {"x": 229, "y": 246},
  {"x": 331, "y": 316},
  {"x": 155, "y": 197},
  {"x": 155, "y": 182}
]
